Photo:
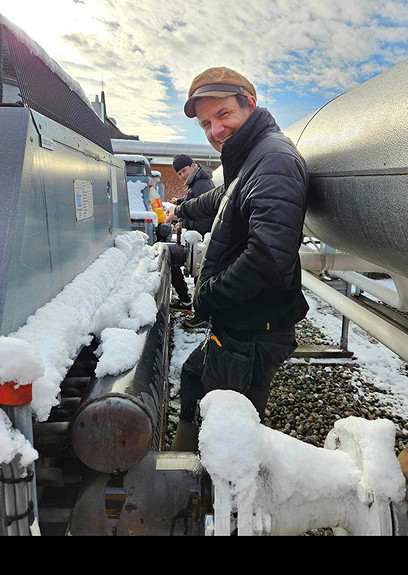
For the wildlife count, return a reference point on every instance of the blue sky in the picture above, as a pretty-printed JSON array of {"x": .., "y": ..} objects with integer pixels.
[{"x": 298, "y": 53}]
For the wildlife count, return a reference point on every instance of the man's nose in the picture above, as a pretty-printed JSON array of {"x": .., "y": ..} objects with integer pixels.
[{"x": 217, "y": 128}]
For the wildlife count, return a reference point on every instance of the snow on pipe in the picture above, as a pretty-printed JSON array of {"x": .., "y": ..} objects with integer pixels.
[
  {"x": 387, "y": 334},
  {"x": 117, "y": 424},
  {"x": 18, "y": 501},
  {"x": 279, "y": 485}
]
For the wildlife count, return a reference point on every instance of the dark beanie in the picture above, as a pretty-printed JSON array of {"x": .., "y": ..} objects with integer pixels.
[{"x": 181, "y": 161}]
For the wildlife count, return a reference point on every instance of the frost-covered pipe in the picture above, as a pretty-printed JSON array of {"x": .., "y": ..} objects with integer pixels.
[
  {"x": 390, "y": 336},
  {"x": 20, "y": 496},
  {"x": 279, "y": 485}
]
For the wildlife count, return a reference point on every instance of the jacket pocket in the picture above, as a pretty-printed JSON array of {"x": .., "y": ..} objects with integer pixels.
[{"x": 228, "y": 364}]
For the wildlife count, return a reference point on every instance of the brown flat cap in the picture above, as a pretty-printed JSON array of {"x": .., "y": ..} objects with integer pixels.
[{"x": 219, "y": 83}]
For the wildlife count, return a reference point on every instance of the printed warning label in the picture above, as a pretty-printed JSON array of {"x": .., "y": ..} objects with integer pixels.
[{"x": 83, "y": 193}]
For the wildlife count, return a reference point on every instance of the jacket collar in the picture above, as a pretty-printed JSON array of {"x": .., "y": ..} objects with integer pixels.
[
  {"x": 192, "y": 175},
  {"x": 236, "y": 149}
]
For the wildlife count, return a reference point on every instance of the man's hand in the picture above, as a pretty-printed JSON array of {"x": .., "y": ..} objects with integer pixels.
[
  {"x": 174, "y": 200},
  {"x": 170, "y": 214}
]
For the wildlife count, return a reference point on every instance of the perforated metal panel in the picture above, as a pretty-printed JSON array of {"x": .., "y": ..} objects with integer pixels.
[{"x": 26, "y": 80}]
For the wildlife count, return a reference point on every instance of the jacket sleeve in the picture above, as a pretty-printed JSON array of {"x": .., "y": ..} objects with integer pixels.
[
  {"x": 199, "y": 187},
  {"x": 273, "y": 203},
  {"x": 180, "y": 200},
  {"x": 203, "y": 207}
]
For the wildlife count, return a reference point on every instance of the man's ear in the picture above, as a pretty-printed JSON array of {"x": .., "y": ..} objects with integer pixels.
[{"x": 252, "y": 102}]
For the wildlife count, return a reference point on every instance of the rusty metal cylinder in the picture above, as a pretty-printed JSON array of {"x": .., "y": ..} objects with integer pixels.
[{"x": 112, "y": 432}]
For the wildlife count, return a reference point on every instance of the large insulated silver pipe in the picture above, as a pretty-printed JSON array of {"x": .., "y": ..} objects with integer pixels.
[{"x": 356, "y": 149}]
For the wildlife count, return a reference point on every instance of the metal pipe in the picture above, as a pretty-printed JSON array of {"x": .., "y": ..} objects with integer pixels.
[
  {"x": 356, "y": 152},
  {"x": 401, "y": 285},
  {"x": 345, "y": 325},
  {"x": 313, "y": 260},
  {"x": 10, "y": 503},
  {"x": 346, "y": 266},
  {"x": 196, "y": 151},
  {"x": 21, "y": 417},
  {"x": 381, "y": 292},
  {"x": 387, "y": 334}
]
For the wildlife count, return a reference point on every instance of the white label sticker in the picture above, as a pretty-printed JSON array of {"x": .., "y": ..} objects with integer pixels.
[
  {"x": 83, "y": 195},
  {"x": 47, "y": 142}
]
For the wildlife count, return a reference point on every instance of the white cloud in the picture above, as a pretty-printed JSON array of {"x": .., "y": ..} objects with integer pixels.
[{"x": 149, "y": 51}]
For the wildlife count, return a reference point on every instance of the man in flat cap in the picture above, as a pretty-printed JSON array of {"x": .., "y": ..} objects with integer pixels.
[
  {"x": 197, "y": 180},
  {"x": 249, "y": 287}
]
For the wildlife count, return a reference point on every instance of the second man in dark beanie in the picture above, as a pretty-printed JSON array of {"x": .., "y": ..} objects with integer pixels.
[{"x": 197, "y": 180}]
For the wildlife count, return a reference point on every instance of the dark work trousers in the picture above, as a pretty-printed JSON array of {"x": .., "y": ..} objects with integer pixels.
[
  {"x": 179, "y": 283},
  {"x": 239, "y": 361},
  {"x": 177, "y": 276}
]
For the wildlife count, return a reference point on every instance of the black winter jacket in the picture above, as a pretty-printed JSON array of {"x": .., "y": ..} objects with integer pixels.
[
  {"x": 202, "y": 182},
  {"x": 251, "y": 277}
]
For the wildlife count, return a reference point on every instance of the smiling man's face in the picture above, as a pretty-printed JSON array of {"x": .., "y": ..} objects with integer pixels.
[{"x": 220, "y": 118}]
